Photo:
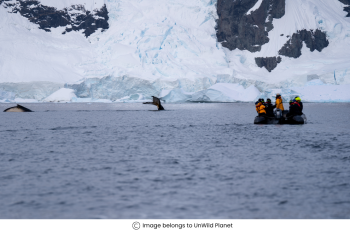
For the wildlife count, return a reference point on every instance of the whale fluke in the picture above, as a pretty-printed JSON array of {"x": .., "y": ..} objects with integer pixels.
[
  {"x": 18, "y": 108},
  {"x": 156, "y": 102}
]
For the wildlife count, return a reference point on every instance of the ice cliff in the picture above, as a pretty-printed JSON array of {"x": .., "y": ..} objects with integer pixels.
[{"x": 200, "y": 50}]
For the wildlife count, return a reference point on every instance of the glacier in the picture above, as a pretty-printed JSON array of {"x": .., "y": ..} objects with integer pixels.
[
  {"x": 62, "y": 95},
  {"x": 168, "y": 48}
]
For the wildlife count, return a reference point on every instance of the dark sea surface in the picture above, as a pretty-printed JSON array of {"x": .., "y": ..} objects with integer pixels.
[{"x": 191, "y": 161}]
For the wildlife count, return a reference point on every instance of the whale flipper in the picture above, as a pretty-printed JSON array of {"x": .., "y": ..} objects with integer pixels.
[
  {"x": 156, "y": 102},
  {"x": 18, "y": 108}
]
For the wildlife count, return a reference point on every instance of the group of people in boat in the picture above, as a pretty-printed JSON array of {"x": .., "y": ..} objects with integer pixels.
[{"x": 266, "y": 109}]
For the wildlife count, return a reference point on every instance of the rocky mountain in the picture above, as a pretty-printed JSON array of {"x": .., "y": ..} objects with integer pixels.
[
  {"x": 245, "y": 25},
  {"x": 73, "y": 18},
  {"x": 240, "y": 26},
  {"x": 128, "y": 50},
  {"x": 347, "y": 7}
]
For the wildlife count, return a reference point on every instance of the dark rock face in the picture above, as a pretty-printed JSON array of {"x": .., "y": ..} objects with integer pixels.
[
  {"x": 313, "y": 39},
  {"x": 49, "y": 17},
  {"x": 347, "y": 8},
  {"x": 269, "y": 63},
  {"x": 236, "y": 29}
]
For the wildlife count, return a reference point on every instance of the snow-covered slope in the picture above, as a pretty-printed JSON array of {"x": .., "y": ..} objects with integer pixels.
[
  {"x": 167, "y": 48},
  {"x": 326, "y": 15},
  {"x": 61, "y": 4}
]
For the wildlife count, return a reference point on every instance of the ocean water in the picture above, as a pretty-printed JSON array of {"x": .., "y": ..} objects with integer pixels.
[{"x": 191, "y": 161}]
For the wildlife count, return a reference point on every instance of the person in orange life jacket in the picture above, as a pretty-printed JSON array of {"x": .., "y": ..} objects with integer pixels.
[
  {"x": 260, "y": 108},
  {"x": 279, "y": 103},
  {"x": 259, "y": 101},
  {"x": 269, "y": 108},
  {"x": 294, "y": 109}
]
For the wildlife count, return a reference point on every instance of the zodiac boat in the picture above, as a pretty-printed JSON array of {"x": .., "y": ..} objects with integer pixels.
[{"x": 280, "y": 117}]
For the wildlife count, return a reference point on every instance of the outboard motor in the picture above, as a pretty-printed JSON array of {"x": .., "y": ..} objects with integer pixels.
[{"x": 278, "y": 113}]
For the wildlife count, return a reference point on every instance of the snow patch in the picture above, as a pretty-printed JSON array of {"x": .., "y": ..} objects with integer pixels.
[
  {"x": 61, "y": 4},
  {"x": 255, "y": 7}
]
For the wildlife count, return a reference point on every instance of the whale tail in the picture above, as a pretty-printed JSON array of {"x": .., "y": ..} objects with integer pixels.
[
  {"x": 18, "y": 108},
  {"x": 156, "y": 101}
]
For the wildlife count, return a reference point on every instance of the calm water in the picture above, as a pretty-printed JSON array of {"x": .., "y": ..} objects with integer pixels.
[{"x": 191, "y": 161}]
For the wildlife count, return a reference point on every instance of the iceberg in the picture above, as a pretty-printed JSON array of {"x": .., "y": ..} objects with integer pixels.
[
  {"x": 62, "y": 95},
  {"x": 176, "y": 96},
  {"x": 28, "y": 90},
  {"x": 226, "y": 92},
  {"x": 219, "y": 92}
]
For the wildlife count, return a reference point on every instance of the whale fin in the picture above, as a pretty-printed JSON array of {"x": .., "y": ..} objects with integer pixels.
[
  {"x": 18, "y": 108},
  {"x": 156, "y": 101}
]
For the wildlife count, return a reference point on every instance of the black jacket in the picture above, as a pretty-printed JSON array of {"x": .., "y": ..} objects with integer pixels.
[
  {"x": 294, "y": 110},
  {"x": 269, "y": 109}
]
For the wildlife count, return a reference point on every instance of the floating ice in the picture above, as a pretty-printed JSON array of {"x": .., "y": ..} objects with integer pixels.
[
  {"x": 20, "y": 100},
  {"x": 5, "y": 101},
  {"x": 89, "y": 100}
]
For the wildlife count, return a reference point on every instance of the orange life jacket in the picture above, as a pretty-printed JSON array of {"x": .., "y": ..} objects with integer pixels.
[
  {"x": 260, "y": 108},
  {"x": 279, "y": 103}
]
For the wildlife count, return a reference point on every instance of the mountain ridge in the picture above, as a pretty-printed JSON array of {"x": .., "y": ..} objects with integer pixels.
[{"x": 176, "y": 44}]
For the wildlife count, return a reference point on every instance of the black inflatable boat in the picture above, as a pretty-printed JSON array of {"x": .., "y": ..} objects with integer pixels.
[{"x": 281, "y": 118}]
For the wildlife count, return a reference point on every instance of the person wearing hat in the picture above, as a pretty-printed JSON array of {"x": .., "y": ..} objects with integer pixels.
[
  {"x": 290, "y": 104},
  {"x": 279, "y": 103},
  {"x": 269, "y": 108},
  {"x": 294, "y": 109},
  {"x": 260, "y": 108},
  {"x": 299, "y": 102}
]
